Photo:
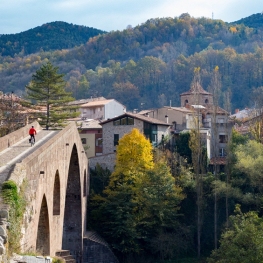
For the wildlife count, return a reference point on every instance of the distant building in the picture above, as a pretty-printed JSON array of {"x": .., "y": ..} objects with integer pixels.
[
  {"x": 196, "y": 96},
  {"x": 90, "y": 132},
  {"x": 243, "y": 119},
  {"x": 198, "y": 111},
  {"x": 101, "y": 109}
]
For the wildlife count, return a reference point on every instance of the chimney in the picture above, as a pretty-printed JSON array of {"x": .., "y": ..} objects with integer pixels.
[{"x": 166, "y": 117}]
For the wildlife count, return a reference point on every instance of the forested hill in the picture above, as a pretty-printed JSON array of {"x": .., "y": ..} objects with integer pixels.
[
  {"x": 50, "y": 36},
  {"x": 255, "y": 21},
  {"x": 153, "y": 63}
]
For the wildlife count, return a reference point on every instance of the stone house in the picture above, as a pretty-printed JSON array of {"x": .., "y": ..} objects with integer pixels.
[{"x": 115, "y": 128}]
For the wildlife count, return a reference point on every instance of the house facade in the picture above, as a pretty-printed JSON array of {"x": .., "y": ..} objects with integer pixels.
[
  {"x": 212, "y": 122},
  {"x": 116, "y": 128},
  {"x": 175, "y": 116},
  {"x": 101, "y": 109},
  {"x": 91, "y": 136}
]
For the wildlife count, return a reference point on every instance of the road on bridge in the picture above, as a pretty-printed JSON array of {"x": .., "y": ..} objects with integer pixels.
[{"x": 17, "y": 152}]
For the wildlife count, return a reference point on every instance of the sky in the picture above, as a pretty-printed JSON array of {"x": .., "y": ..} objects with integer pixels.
[{"x": 20, "y": 15}]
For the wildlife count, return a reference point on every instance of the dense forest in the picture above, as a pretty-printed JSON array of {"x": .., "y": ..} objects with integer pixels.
[
  {"x": 50, "y": 36},
  {"x": 158, "y": 207},
  {"x": 153, "y": 63}
]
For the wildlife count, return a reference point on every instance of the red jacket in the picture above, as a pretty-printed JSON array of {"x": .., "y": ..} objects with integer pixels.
[{"x": 32, "y": 131}]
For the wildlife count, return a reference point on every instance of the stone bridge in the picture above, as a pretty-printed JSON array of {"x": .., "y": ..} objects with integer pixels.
[{"x": 54, "y": 173}]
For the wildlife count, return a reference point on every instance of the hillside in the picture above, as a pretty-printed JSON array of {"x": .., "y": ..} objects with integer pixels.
[
  {"x": 255, "y": 21},
  {"x": 50, "y": 36},
  {"x": 153, "y": 63}
]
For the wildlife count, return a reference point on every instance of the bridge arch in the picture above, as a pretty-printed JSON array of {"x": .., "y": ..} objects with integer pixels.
[
  {"x": 56, "y": 195},
  {"x": 43, "y": 230},
  {"x": 85, "y": 183},
  {"x": 72, "y": 227}
]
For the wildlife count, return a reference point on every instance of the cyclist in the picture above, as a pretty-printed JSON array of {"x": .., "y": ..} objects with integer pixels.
[{"x": 32, "y": 133}]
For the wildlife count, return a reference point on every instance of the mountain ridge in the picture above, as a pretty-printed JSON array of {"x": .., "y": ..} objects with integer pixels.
[
  {"x": 152, "y": 63},
  {"x": 47, "y": 37}
]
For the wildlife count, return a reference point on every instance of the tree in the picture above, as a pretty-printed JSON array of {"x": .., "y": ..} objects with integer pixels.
[
  {"x": 12, "y": 113},
  {"x": 215, "y": 87},
  {"x": 242, "y": 242},
  {"x": 140, "y": 205},
  {"x": 198, "y": 159},
  {"x": 182, "y": 146},
  {"x": 47, "y": 89},
  {"x": 134, "y": 154},
  {"x": 250, "y": 161}
]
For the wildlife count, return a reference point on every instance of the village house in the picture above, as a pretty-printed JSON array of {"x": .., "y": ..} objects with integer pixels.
[
  {"x": 90, "y": 132},
  {"x": 115, "y": 128},
  {"x": 101, "y": 109}
]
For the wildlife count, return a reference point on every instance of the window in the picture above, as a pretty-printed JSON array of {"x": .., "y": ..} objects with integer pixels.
[
  {"x": 99, "y": 142},
  {"x": 117, "y": 122},
  {"x": 222, "y": 138},
  {"x": 130, "y": 121},
  {"x": 84, "y": 140},
  {"x": 124, "y": 121},
  {"x": 116, "y": 139},
  {"x": 222, "y": 152},
  {"x": 174, "y": 125}
]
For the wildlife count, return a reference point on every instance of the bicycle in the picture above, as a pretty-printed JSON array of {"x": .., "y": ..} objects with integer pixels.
[{"x": 32, "y": 141}]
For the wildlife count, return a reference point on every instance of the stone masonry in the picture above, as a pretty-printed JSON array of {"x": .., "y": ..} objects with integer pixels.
[{"x": 55, "y": 174}]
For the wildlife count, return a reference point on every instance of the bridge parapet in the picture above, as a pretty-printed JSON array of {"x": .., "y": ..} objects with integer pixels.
[{"x": 16, "y": 136}]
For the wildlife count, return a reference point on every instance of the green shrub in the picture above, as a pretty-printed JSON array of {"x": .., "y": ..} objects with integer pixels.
[{"x": 16, "y": 201}]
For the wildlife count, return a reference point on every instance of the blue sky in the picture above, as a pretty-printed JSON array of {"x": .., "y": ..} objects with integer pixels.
[{"x": 20, "y": 15}]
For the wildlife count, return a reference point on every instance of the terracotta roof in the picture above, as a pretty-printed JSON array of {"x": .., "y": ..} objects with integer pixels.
[
  {"x": 83, "y": 101},
  {"x": 181, "y": 109},
  {"x": 210, "y": 108},
  {"x": 218, "y": 161},
  {"x": 142, "y": 112},
  {"x": 96, "y": 103},
  {"x": 92, "y": 124},
  {"x": 196, "y": 89},
  {"x": 139, "y": 117}
]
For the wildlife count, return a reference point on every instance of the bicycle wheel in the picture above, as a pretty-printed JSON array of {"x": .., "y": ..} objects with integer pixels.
[{"x": 32, "y": 141}]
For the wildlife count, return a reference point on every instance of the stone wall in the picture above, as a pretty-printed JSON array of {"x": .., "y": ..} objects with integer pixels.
[
  {"x": 96, "y": 250},
  {"x": 105, "y": 161},
  {"x": 108, "y": 131}
]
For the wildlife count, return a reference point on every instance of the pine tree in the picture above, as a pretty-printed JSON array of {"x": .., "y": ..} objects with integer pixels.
[{"x": 47, "y": 88}]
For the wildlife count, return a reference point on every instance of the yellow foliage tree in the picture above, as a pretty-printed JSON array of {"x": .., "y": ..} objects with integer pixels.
[{"x": 134, "y": 156}]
